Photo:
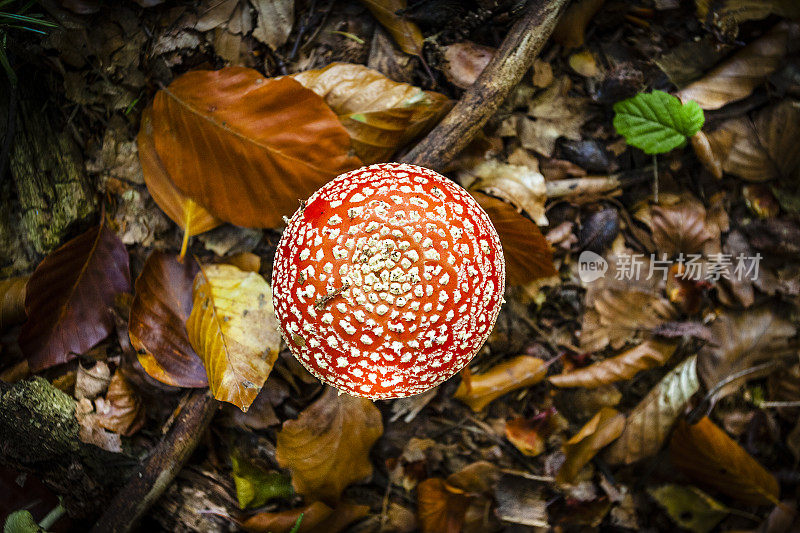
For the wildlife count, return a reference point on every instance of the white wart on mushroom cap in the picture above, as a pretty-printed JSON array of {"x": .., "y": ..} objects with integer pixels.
[{"x": 388, "y": 281}]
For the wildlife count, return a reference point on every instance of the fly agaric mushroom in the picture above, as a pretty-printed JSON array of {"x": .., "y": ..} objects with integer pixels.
[{"x": 388, "y": 281}]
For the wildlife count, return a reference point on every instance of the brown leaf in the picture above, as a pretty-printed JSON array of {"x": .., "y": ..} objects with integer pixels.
[
  {"x": 649, "y": 354},
  {"x": 245, "y": 147},
  {"x": 121, "y": 411},
  {"x": 12, "y": 301},
  {"x": 570, "y": 30},
  {"x": 450, "y": 505},
  {"x": 481, "y": 389},
  {"x": 705, "y": 153},
  {"x": 185, "y": 212},
  {"x": 527, "y": 253},
  {"x": 529, "y": 435},
  {"x": 553, "y": 114},
  {"x": 742, "y": 340},
  {"x": 465, "y": 61},
  {"x": 762, "y": 148},
  {"x": 736, "y": 77},
  {"x": 405, "y": 33},
  {"x": 92, "y": 382},
  {"x": 649, "y": 423},
  {"x": 69, "y": 297},
  {"x": 233, "y": 329},
  {"x": 275, "y": 20},
  {"x": 327, "y": 447},
  {"x": 90, "y": 431},
  {"x": 522, "y": 187},
  {"x": 681, "y": 227},
  {"x": 604, "y": 427},
  {"x": 728, "y": 14},
  {"x": 380, "y": 115},
  {"x": 711, "y": 458},
  {"x": 317, "y": 518},
  {"x": 157, "y": 323}
]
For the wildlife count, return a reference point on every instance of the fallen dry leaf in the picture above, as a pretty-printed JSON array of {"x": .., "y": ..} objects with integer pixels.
[
  {"x": 90, "y": 431},
  {"x": 480, "y": 390},
  {"x": 604, "y": 427},
  {"x": 741, "y": 340},
  {"x": 649, "y": 354},
  {"x": 327, "y": 447},
  {"x": 275, "y": 19},
  {"x": 529, "y": 435},
  {"x": 121, "y": 410},
  {"x": 528, "y": 254},
  {"x": 233, "y": 329},
  {"x": 380, "y": 115},
  {"x": 711, "y": 458},
  {"x": 405, "y": 33},
  {"x": 570, "y": 30},
  {"x": 69, "y": 297},
  {"x": 519, "y": 185},
  {"x": 185, "y": 212},
  {"x": 728, "y": 14},
  {"x": 317, "y": 518},
  {"x": 681, "y": 227},
  {"x": 649, "y": 423},
  {"x": 93, "y": 381},
  {"x": 157, "y": 323},
  {"x": 552, "y": 114},
  {"x": 465, "y": 61},
  {"x": 736, "y": 77},
  {"x": 12, "y": 301},
  {"x": 246, "y": 147}
]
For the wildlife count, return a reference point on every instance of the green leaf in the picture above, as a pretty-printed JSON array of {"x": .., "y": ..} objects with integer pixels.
[
  {"x": 21, "y": 522},
  {"x": 255, "y": 487},
  {"x": 657, "y": 122},
  {"x": 690, "y": 507}
]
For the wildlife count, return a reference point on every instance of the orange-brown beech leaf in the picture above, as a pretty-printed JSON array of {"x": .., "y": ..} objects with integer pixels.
[
  {"x": 571, "y": 27},
  {"x": 680, "y": 227},
  {"x": 405, "y": 33},
  {"x": 380, "y": 115},
  {"x": 712, "y": 459},
  {"x": 529, "y": 435},
  {"x": 121, "y": 411},
  {"x": 465, "y": 61},
  {"x": 528, "y": 254},
  {"x": 736, "y": 77},
  {"x": 317, "y": 518},
  {"x": 649, "y": 423},
  {"x": 185, "y": 212},
  {"x": 233, "y": 329},
  {"x": 741, "y": 341},
  {"x": 649, "y": 354},
  {"x": 450, "y": 505},
  {"x": 327, "y": 447},
  {"x": 12, "y": 301},
  {"x": 705, "y": 154},
  {"x": 604, "y": 427},
  {"x": 517, "y": 373},
  {"x": 70, "y": 295},
  {"x": 246, "y": 147},
  {"x": 762, "y": 148},
  {"x": 157, "y": 323}
]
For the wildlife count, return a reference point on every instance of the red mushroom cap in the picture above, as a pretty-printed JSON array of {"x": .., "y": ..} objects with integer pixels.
[{"x": 388, "y": 281}]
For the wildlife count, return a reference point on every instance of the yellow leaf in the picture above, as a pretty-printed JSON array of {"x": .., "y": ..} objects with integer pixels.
[
  {"x": 327, "y": 447},
  {"x": 480, "y": 390},
  {"x": 602, "y": 429},
  {"x": 233, "y": 329},
  {"x": 406, "y": 34}
]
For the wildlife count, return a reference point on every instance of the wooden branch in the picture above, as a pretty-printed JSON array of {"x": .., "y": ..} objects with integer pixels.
[
  {"x": 484, "y": 97},
  {"x": 151, "y": 479}
]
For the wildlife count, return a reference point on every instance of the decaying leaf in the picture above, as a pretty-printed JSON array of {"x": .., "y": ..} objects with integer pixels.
[
  {"x": 12, "y": 301},
  {"x": 255, "y": 486},
  {"x": 736, "y": 77},
  {"x": 711, "y": 458},
  {"x": 552, "y": 114},
  {"x": 245, "y": 147},
  {"x": 121, "y": 410},
  {"x": 741, "y": 340},
  {"x": 649, "y": 354},
  {"x": 317, "y": 518},
  {"x": 185, "y": 212},
  {"x": 570, "y": 30},
  {"x": 157, "y": 324},
  {"x": 521, "y": 501},
  {"x": 275, "y": 20},
  {"x": 405, "y": 33},
  {"x": 69, "y": 297},
  {"x": 689, "y": 507},
  {"x": 480, "y": 390},
  {"x": 519, "y": 185},
  {"x": 681, "y": 226},
  {"x": 380, "y": 115},
  {"x": 233, "y": 329},
  {"x": 327, "y": 447},
  {"x": 90, "y": 432},
  {"x": 465, "y": 62},
  {"x": 528, "y": 254},
  {"x": 92, "y": 381},
  {"x": 604, "y": 427},
  {"x": 649, "y": 423}
]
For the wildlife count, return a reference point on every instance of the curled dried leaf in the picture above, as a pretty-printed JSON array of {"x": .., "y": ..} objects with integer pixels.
[
  {"x": 482, "y": 389},
  {"x": 681, "y": 227},
  {"x": 649, "y": 354},
  {"x": 404, "y": 32},
  {"x": 604, "y": 427},
  {"x": 518, "y": 185},
  {"x": 274, "y": 22},
  {"x": 121, "y": 411},
  {"x": 327, "y": 447},
  {"x": 711, "y": 458},
  {"x": 649, "y": 423}
]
